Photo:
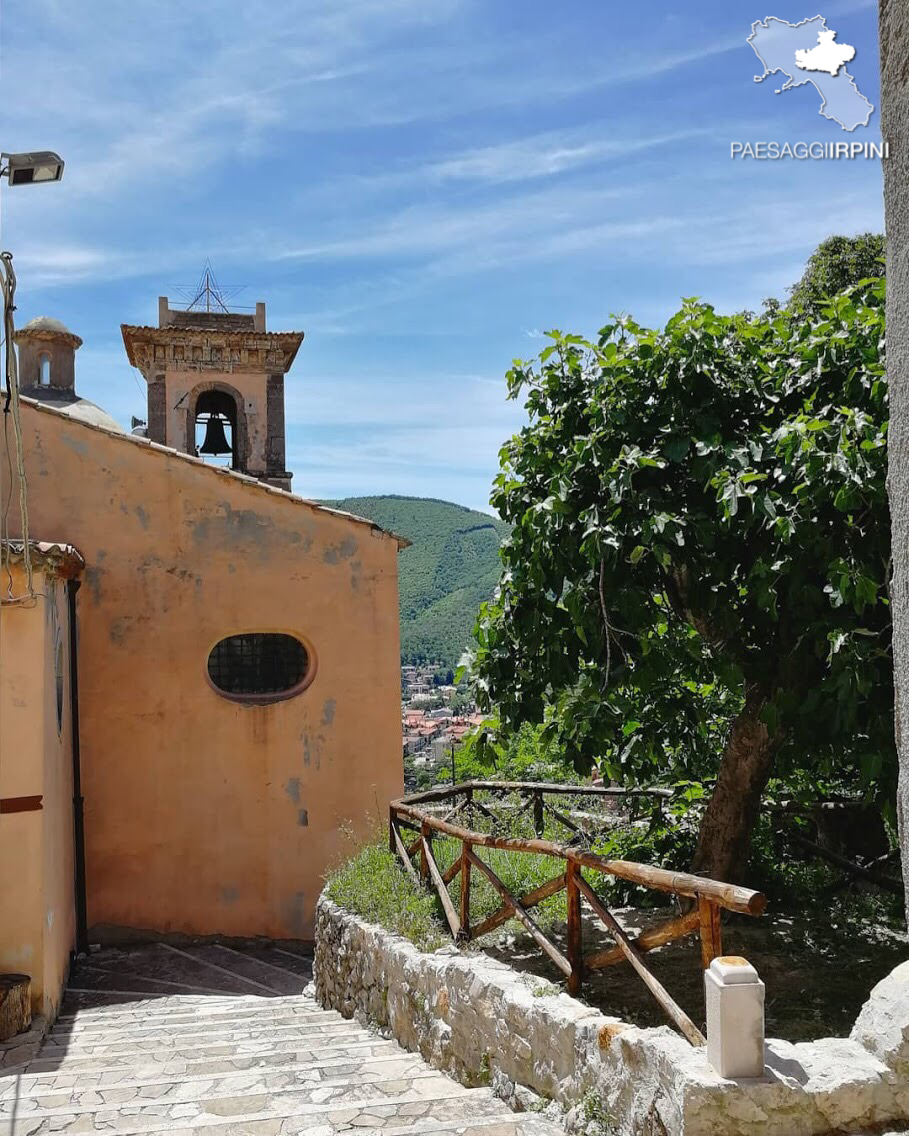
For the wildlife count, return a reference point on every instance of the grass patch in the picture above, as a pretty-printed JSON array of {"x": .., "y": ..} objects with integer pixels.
[{"x": 374, "y": 885}]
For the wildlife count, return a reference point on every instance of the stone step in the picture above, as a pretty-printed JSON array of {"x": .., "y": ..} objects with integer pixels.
[
  {"x": 325, "y": 1063},
  {"x": 161, "y": 1041},
  {"x": 405, "y": 1124},
  {"x": 214, "y": 1050},
  {"x": 435, "y": 1096},
  {"x": 110, "y": 1006},
  {"x": 309, "y": 1084},
  {"x": 303, "y": 1018},
  {"x": 213, "y": 1040}
]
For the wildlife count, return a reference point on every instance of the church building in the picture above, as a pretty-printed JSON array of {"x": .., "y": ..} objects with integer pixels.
[{"x": 199, "y": 670}]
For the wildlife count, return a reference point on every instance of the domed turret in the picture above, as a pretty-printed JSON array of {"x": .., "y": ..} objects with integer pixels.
[
  {"x": 47, "y": 370},
  {"x": 47, "y": 356}
]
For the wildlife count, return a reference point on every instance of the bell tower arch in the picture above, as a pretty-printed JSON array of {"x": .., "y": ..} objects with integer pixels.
[{"x": 216, "y": 379}]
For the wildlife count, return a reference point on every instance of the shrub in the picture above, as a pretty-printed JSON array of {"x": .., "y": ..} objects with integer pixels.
[{"x": 374, "y": 885}]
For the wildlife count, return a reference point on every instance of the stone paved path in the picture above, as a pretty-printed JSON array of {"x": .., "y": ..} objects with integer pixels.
[{"x": 212, "y": 1041}]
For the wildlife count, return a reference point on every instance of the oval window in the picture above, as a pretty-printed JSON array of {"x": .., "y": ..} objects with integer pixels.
[{"x": 259, "y": 666}]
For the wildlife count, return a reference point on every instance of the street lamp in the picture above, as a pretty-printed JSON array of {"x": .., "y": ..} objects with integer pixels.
[{"x": 33, "y": 168}]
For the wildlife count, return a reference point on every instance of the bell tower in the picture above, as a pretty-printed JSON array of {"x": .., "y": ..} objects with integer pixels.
[{"x": 216, "y": 385}]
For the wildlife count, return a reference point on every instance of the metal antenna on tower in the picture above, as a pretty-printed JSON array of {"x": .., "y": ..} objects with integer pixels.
[{"x": 208, "y": 295}]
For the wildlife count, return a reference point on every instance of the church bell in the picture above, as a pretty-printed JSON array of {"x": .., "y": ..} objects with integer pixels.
[{"x": 215, "y": 441}]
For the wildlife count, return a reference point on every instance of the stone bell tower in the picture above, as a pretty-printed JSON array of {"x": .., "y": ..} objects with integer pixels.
[{"x": 219, "y": 374}]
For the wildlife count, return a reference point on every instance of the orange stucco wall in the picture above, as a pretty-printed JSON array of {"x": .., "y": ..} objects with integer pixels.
[
  {"x": 37, "y": 910},
  {"x": 203, "y": 815}
]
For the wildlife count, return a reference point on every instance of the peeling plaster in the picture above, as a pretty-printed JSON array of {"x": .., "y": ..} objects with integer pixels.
[
  {"x": 119, "y": 629},
  {"x": 292, "y": 789},
  {"x": 77, "y": 445},
  {"x": 294, "y": 914},
  {"x": 328, "y": 711},
  {"x": 303, "y": 818},
  {"x": 335, "y": 553},
  {"x": 229, "y": 894},
  {"x": 92, "y": 577},
  {"x": 245, "y": 528}
]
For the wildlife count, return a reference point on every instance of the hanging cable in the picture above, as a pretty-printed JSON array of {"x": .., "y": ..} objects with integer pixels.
[{"x": 11, "y": 410}]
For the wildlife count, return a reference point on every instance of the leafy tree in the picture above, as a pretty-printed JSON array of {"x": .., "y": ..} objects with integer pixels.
[
  {"x": 522, "y": 756},
  {"x": 837, "y": 264},
  {"x": 696, "y": 578}
]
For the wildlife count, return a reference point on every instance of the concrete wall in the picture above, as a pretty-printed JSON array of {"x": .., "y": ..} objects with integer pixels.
[
  {"x": 894, "y": 38},
  {"x": 37, "y": 909},
  {"x": 203, "y": 815}
]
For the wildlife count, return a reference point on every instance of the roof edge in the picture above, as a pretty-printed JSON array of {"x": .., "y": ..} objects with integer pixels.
[
  {"x": 61, "y": 559},
  {"x": 216, "y": 471},
  {"x": 136, "y": 332}
]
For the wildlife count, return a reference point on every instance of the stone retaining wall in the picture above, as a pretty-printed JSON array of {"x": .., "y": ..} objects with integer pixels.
[{"x": 484, "y": 1023}]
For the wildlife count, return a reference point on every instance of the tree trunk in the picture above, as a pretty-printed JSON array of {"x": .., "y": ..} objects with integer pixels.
[
  {"x": 894, "y": 35},
  {"x": 745, "y": 768},
  {"x": 15, "y": 1005}
]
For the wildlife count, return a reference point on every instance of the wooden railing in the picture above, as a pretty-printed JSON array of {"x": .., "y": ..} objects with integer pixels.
[{"x": 422, "y": 815}]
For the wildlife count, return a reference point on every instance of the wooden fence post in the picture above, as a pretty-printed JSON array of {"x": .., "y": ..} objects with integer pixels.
[
  {"x": 575, "y": 949},
  {"x": 465, "y": 893},
  {"x": 711, "y": 933},
  {"x": 538, "y": 823},
  {"x": 426, "y": 833}
]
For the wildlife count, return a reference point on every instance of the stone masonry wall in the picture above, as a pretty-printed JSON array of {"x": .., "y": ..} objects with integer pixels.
[{"x": 482, "y": 1022}]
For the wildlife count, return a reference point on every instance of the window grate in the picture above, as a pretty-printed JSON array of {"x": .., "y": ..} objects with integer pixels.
[{"x": 258, "y": 663}]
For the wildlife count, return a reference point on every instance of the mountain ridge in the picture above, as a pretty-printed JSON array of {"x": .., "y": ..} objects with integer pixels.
[{"x": 451, "y": 568}]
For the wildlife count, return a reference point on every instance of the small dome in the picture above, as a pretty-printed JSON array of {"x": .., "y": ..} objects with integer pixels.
[
  {"x": 86, "y": 411},
  {"x": 46, "y": 323},
  {"x": 79, "y": 408}
]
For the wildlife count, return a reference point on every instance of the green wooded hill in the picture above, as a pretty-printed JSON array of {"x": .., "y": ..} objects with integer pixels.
[{"x": 449, "y": 570}]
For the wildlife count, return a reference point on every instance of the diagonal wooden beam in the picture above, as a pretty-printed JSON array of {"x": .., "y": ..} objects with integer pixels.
[
  {"x": 447, "y": 906},
  {"x": 402, "y": 853},
  {"x": 452, "y": 870},
  {"x": 670, "y": 1007},
  {"x": 454, "y": 812},
  {"x": 506, "y": 911},
  {"x": 542, "y": 942},
  {"x": 481, "y": 808},
  {"x": 648, "y": 940}
]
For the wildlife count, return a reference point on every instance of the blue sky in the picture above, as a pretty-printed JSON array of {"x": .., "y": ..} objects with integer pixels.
[{"x": 422, "y": 186}]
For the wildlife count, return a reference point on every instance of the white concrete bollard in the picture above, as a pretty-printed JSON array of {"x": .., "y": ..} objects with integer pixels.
[{"x": 735, "y": 1017}]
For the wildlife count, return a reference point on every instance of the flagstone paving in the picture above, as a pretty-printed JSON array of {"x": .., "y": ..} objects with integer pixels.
[{"x": 216, "y": 1041}]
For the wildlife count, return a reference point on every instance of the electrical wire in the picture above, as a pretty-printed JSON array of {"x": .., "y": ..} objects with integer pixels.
[{"x": 11, "y": 410}]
